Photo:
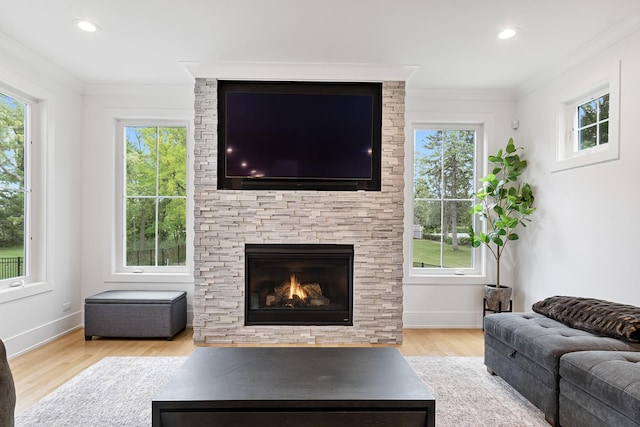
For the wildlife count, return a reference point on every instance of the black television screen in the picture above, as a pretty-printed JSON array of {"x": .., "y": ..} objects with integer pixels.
[{"x": 299, "y": 135}]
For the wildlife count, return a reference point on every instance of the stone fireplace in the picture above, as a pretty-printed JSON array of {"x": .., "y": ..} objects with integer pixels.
[{"x": 228, "y": 221}]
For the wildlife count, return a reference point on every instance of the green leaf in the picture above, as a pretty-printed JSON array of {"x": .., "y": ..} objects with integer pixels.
[
  {"x": 511, "y": 148},
  {"x": 512, "y": 222},
  {"x": 513, "y": 236}
]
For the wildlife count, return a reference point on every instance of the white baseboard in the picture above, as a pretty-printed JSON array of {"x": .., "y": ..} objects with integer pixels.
[
  {"x": 36, "y": 337},
  {"x": 442, "y": 319}
]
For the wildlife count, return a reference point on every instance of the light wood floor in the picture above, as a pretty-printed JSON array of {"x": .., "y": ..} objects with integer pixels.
[{"x": 44, "y": 369}]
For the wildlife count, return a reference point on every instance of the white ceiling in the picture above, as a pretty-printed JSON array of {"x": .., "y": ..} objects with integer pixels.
[{"x": 453, "y": 42}]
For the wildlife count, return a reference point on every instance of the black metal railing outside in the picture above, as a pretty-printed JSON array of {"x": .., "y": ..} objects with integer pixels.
[
  {"x": 176, "y": 255},
  {"x": 11, "y": 267}
]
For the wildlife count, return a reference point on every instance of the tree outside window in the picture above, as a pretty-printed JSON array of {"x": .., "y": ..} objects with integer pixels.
[
  {"x": 155, "y": 195},
  {"x": 593, "y": 123},
  {"x": 443, "y": 196},
  {"x": 13, "y": 120}
]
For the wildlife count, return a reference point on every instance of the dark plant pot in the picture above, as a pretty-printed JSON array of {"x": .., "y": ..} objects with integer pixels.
[{"x": 498, "y": 299}]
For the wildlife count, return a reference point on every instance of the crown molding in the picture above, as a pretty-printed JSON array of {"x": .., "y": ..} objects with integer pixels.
[{"x": 300, "y": 71}]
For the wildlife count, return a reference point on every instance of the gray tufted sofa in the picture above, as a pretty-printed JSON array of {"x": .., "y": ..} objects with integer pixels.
[
  {"x": 537, "y": 356},
  {"x": 600, "y": 388}
]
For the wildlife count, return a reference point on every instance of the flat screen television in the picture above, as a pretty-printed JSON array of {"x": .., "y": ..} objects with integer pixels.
[{"x": 299, "y": 135}]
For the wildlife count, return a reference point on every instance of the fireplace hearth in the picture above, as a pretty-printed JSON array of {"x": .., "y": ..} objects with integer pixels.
[{"x": 299, "y": 284}]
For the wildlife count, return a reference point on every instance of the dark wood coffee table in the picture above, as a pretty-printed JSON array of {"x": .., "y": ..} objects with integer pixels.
[{"x": 303, "y": 386}]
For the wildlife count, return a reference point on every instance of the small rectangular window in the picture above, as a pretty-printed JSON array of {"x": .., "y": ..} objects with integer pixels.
[
  {"x": 155, "y": 196},
  {"x": 588, "y": 120},
  {"x": 593, "y": 123}
]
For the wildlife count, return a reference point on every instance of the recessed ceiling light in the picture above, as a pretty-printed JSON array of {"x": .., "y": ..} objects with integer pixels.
[
  {"x": 87, "y": 26},
  {"x": 508, "y": 33}
]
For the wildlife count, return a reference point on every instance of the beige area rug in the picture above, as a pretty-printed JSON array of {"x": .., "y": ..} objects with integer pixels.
[{"x": 117, "y": 391}]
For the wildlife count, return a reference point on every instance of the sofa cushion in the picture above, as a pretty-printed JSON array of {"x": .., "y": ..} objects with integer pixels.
[
  {"x": 610, "y": 377},
  {"x": 593, "y": 315}
]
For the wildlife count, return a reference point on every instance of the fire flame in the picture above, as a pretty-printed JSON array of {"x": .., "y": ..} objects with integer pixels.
[{"x": 295, "y": 288}]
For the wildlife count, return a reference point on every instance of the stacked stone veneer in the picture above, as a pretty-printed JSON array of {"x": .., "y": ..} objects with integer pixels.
[{"x": 372, "y": 221}]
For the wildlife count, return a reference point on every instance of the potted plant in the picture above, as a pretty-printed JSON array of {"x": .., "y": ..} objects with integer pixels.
[{"x": 504, "y": 205}]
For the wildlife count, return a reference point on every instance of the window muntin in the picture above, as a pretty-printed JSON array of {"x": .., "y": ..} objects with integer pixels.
[
  {"x": 155, "y": 193},
  {"x": 14, "y": 193},
  {"x": 592, "y": 123},
  {"x": 444, "y": 179}
]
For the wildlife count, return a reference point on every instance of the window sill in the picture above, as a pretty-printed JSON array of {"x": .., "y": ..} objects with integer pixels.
[
  {"x": 427, "y": 280},
  {"x": 588, "y": 157},
  {"x": 24, "y": 291},
  {"x": 150, "y": 277}
]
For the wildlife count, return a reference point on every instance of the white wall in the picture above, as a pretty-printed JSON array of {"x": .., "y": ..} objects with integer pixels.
[
  {"x": 583, "y": 241},
  {"x": 32, "y": 320},
  {"x": 442, "y": 303},
  {"x": 102, "y": 106}
]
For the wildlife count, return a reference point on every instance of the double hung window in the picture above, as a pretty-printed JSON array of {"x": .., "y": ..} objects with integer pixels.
[
  {"x": 154, "y": 205},
  {"x": 444, "y": 176}
]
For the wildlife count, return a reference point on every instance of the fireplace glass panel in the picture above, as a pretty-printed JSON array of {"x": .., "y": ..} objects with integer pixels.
[{"x": 299, "y": 284}]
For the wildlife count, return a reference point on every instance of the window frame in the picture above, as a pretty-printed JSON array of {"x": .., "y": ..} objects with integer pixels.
[
  {"x": 568, "y": 156},
  {"x": 34, "y": 281},
  {"x": 117, "y": 270},
  {"x": 27, "y": 191},
  {"x": 420, "y": 275}
]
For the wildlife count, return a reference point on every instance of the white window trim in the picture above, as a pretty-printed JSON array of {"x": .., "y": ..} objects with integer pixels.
[
  {"x": 605, "y": 81},
  {"x": 37, "y": 175},
  {"x": 418, "y": 276},
  {"x": 115, "y": 271}
]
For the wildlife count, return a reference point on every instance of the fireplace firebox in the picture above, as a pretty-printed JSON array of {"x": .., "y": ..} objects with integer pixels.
[{"x": 298, "y": 284}]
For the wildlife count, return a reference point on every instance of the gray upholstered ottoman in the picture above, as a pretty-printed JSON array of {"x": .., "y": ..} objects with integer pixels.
[
  {"x": 135, "y": 314},
  {"x": 524, "y": 349},
  {"x": 600, "y": 388}
]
